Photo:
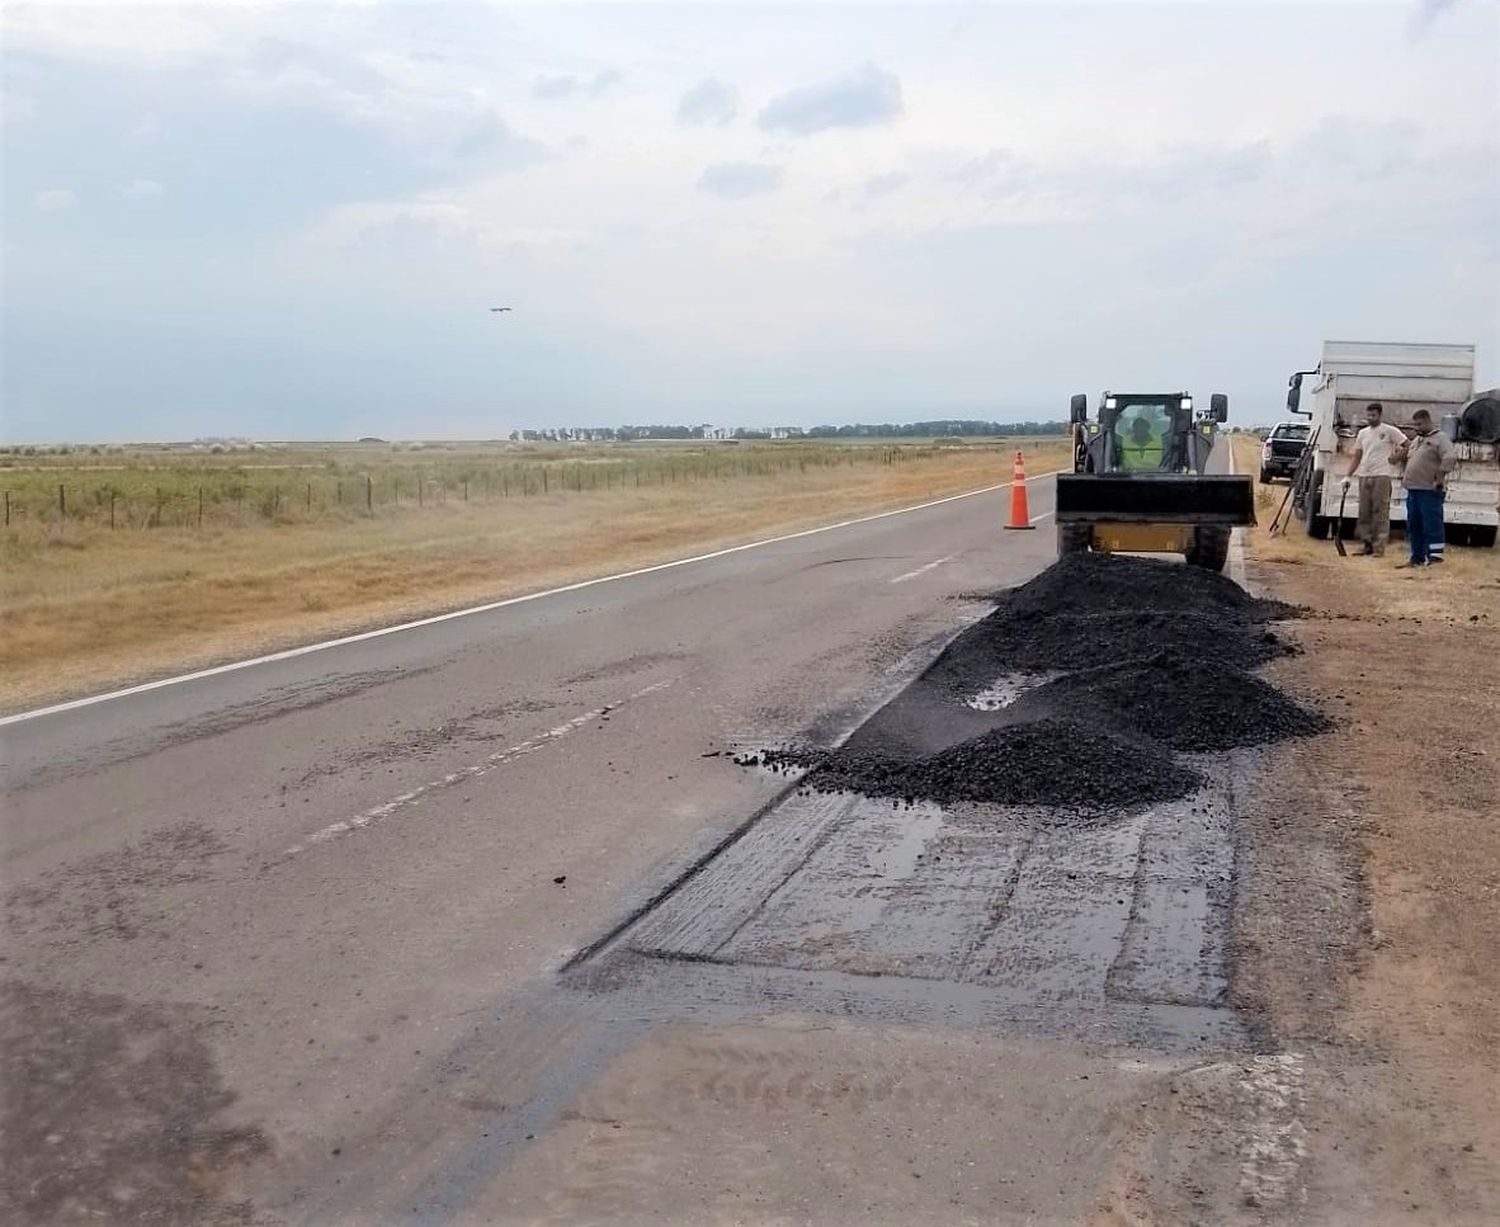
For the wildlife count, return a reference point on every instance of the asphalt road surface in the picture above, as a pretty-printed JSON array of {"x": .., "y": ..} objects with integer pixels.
[{"x": 297, "y": 899}]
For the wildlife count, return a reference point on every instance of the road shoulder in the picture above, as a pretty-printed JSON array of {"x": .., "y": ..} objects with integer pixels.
[{"x": 1364, "y": 934}]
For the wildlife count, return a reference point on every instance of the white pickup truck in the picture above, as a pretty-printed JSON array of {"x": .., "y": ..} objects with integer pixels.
[{"x": 1403, "y": 379}]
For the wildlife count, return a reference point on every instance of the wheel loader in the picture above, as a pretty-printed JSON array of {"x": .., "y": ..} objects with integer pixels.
[{"x": 1138, "y": 483}]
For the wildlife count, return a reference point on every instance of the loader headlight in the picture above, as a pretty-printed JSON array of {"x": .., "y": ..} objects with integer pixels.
[
  {"x": 1109, "y": 402},
  {"x": 1187, "y": 402}
]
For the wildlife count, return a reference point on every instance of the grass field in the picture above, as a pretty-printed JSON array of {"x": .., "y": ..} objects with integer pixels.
[{"x": 300, "y": 543}]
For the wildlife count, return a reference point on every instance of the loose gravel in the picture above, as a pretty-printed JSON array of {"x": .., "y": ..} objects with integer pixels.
[
  {"x": 1179, "y": 701},
  {"x": 1153, "y": 656},
  {"x": 1112, "y": 583},
  {"x": 1033, "y": 642},
  {"x": 1053, "y": 762}
]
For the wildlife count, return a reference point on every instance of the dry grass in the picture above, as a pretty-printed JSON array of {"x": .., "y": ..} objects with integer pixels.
[
  {"x": 84, "y": 608},
  {"x": 1467, "y": 584}
]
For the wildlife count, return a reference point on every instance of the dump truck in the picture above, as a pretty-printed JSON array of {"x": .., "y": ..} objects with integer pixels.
[
  {"x": 1140, "y": 482},
  {"x": 1402, "y": 378}
]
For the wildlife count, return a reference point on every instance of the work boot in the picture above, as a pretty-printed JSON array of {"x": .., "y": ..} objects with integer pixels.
[
  {"x": 1415, "y": 562},
  {"x": 1367, "y": 548}
]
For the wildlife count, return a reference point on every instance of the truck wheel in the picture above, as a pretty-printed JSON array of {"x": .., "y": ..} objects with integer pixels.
[
  {"x": 1210, "y": 548},
  {"x": 1074, "y": 538},
  {"x": 1317, "y": 525},
  {"x": 1482, "y": 536}
]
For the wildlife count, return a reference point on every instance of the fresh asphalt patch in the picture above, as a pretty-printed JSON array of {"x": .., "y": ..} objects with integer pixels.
[{"x": 1043, "y": 823}]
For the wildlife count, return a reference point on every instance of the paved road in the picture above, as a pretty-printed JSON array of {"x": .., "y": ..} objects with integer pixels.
[{"x": 283, "y": 896}]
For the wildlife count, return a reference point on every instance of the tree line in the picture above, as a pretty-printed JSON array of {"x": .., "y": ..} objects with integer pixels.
[{"x": 943, "y": 428}]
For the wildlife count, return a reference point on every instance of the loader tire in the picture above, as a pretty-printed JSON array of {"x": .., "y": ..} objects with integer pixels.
[
  {"x": 1074, "y": 539},
  {"x": 1210, "y": 548}
]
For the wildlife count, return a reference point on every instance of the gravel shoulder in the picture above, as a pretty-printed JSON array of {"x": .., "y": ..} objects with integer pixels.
[{"x": 1366, "y": 921}]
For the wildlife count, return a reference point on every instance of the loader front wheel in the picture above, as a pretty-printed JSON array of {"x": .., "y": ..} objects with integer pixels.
[
  {"x": 1210, "y": 548},
  {"x": 1074, "y": 539}
]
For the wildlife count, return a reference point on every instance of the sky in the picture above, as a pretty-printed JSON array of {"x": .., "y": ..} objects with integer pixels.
[{"x": 290, "y": 221}]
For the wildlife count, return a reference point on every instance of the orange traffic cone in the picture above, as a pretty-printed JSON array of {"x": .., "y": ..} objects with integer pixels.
[{"x": 1020, "y": 512}]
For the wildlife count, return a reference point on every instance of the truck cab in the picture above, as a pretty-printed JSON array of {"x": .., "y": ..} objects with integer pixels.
[{"x": 1402, "y": 378}]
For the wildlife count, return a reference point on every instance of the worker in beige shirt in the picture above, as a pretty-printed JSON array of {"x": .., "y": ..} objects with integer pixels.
[{"x": 1375, "y": 451}]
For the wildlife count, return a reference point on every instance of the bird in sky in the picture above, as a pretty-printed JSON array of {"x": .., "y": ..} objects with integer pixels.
[{"x": 499, "y": 308}]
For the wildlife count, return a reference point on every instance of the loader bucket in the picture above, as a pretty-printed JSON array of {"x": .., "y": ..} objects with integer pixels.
[{"x": 1156, "y": 498}]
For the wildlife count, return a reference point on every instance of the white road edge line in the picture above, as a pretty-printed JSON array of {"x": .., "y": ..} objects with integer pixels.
[
  {"x": 1237, "y": 537},
  {"x": 901, "y": 579},
  {"x": 309, "y": 648},
  {"x": 472, "y": 772}
]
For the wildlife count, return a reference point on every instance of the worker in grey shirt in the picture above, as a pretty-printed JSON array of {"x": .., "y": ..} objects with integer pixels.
[
  {"x": 1372, "y": 468},
  {"x": 1427, "y": 460}
]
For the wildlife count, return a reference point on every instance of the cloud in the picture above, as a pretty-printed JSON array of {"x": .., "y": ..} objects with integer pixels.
[
  {"x": 603, "y": 81},
  {"x": 711, "y": 101},
  {"x": 739, "y": 180},
  {"x": 142, "y": 189},
  {"x": 15, "y": 108},
  {"x": 55, "y": 200},
  {"x": 884, "y": 185},
  {"x": 866, "y": 97},
  {"x": 552, "y": 89},
  {"x": 1430, "y": 10}
]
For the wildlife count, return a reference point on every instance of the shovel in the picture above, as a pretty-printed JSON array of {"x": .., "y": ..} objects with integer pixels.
[{"x": 1338, "y": 526}]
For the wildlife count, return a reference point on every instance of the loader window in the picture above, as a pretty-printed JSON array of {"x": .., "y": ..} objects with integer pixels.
[{"x": 1142, "y": 431}]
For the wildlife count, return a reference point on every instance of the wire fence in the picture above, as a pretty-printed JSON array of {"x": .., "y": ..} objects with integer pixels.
[{"x": 205, "y": 497}]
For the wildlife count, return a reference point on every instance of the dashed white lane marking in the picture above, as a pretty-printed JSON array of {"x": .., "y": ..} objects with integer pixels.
[
  {"x": 308, "y": 648},
  {"x": 531, "y": 745},
  {"x": 901, "y": 579}
]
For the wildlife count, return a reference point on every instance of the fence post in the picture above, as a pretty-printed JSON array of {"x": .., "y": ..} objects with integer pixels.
[
  {"x": 7, "y": 509},
  {"x": 420, "y": 484},
  {"x": 200, "y": 507},
  {"x": 544, "y": 479},
  {"x": 111, "y": 511},
  {"x": 309, "y": 496},
  {"x": 369, "y": 493},
  {"x": 338, "y": 493},
  {"x": 466, "y": 489},
  {"x": 62, "y": 500},
  {"x": 156, "y": 517}
]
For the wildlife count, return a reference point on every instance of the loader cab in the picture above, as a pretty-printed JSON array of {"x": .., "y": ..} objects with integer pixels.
[{"x": 1146, "y": 429}]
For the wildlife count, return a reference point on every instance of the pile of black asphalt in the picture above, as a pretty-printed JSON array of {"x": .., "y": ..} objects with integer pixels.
[
  {"x": 1107, "y": 583},
  {"x": 1053, "y": 761},
  {"x": 1179, "y": 701},
  {"x": 1128, "y": 659}
]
